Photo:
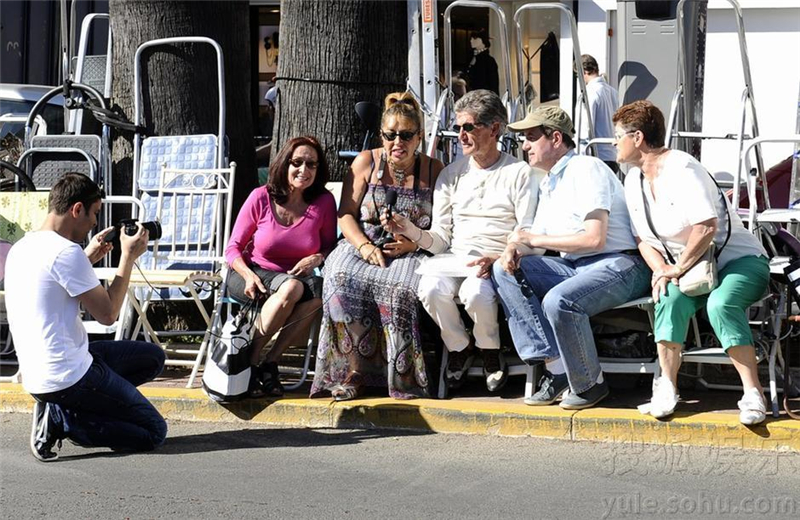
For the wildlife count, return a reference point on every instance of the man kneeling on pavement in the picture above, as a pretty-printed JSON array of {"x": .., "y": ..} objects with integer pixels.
[
  {"x": 548, "y": 300},
  {"x": 85, "y": 392}
]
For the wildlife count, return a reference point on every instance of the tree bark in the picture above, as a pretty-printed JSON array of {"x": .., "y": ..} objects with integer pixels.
[
  {"x": 179, "y": 90},
  {"x": 349, "y": 51}
]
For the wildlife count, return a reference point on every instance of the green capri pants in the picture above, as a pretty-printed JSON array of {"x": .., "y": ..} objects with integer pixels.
[{"x": 742, "y": 283}]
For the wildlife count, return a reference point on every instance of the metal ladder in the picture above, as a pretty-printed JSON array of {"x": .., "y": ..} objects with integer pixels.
[
  {"x": 576, "y": 48},
  {"x": 681, "y": 110},
  {"x": 92, "y": 70},
  {"x": 441, "y": 127}
]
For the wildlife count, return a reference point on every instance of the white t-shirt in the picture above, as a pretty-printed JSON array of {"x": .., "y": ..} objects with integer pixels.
[
  {"x": 686, "y": 195},
  {"x": 576, "y": 186},
  {"x": 475, "y": 209},
  {"x": 44, "y": 274}
]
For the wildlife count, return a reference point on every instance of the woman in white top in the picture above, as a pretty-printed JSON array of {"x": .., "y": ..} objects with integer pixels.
[{"x": 687, "y": 214}]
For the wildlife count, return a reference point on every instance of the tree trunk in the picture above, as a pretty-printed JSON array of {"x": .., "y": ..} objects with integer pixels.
[
  {"x": 333, "y": 55},
  {"x": 179, "y": 89}
]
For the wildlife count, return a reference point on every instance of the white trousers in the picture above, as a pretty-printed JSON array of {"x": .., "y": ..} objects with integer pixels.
[{"x": 438, "y": 293}]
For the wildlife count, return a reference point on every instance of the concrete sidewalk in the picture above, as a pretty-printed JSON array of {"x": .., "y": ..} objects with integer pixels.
[{"x": 616, "y": 421}]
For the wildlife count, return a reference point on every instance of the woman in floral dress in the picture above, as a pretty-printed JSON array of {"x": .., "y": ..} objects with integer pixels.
[{"x": 370, "y": 335}]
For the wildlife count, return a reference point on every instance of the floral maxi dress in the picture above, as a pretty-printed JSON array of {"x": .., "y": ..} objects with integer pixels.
[{"x": 370, "y": 323}]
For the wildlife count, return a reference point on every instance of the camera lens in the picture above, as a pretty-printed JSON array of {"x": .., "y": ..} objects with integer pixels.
[{"x": 153, "y": 228}]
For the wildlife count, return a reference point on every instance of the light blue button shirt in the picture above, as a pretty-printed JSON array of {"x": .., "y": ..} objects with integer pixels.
[{"x": 574, "y": 187}]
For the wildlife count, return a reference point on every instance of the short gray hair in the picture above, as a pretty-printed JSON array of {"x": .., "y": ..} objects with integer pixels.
[{"x": 485, "y": 106}]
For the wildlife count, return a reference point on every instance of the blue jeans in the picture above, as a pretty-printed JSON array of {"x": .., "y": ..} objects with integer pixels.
[
  {"x": 104, "y": 408},
  {"x": 548, "y": 302}
]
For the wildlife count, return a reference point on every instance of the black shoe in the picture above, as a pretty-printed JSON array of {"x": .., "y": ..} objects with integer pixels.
[
  {"x": 551, "y": 387},
  {"x": 585, "y": 399},
  {"x": 495, "y": 369},
  {"x": 458, "y": 364},
  {"x": 43, "y": 434},
  {"x": 270, "y": 378}
]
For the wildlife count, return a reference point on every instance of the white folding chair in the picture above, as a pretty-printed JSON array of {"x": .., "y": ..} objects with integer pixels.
[{"x": 194, "y": 210}]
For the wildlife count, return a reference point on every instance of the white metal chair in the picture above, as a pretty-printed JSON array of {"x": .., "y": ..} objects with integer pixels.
[{"x": 194, "y": 209}]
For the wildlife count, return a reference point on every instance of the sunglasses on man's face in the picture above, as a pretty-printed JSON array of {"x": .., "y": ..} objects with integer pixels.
[
  {"x": 405, "y": 135},
  {"x": 298, "y": 162},
  {"x": 468, "y": 127}
]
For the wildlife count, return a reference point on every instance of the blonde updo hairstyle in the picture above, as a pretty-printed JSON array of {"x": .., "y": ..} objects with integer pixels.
[{"x": 402, "y": 104}]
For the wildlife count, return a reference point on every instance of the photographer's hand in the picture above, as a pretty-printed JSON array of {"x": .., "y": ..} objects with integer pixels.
[
  {"x": 134, "y": 246},
  {"x": 97, "y": 248}
]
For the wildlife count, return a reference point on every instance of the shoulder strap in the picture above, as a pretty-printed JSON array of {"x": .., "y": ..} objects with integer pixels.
[
  {"x": 650, "y": 220},
  {"x": 381, "y": 168},
  {"x": 417, "y": 173},
  {"x": 652, "y": 228},
  {"x": 727, "y": 214},
  {"x": 430, "y": 173}
]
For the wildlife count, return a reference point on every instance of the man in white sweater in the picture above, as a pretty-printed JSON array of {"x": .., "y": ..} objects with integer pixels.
[{"x": 478, "y": 202}]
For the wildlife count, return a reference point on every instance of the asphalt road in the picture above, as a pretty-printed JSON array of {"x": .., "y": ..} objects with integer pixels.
[{"x": 234, "y": 471}]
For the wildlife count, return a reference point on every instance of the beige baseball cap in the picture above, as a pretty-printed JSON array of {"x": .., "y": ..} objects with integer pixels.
[{"x": 550, "y": 116}]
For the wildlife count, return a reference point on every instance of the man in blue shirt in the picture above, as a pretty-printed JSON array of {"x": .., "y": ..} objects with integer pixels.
[{"x": 549, "y": 299}]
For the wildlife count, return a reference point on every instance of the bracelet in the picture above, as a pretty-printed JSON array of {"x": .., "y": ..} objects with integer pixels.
[{"x": 362, "y": 245}]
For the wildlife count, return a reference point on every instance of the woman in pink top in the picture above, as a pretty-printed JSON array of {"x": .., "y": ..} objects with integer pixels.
[{"x": 284, "y": 230}]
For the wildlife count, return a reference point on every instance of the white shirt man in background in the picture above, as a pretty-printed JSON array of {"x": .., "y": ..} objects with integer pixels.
[{"x": 603, "y": 103}]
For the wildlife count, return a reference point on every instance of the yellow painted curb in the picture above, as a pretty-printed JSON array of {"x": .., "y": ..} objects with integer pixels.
[
  {"x": 625, "y": 427},
  {"x": 714, "y": 430}
]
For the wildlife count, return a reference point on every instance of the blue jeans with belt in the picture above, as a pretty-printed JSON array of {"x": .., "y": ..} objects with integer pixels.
[
  {"x": 548, "y": 302},
  {"x": 104, "y": 408}
]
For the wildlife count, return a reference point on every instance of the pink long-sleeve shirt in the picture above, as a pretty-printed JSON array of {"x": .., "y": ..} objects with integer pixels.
[{"x": 260, "y": 239}]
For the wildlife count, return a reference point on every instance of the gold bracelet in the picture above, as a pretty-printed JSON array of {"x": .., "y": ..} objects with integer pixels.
[{"x": 362, "y": 245}]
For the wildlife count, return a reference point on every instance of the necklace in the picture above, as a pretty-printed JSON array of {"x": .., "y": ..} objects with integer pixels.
[{"x": 399, "y": 174}]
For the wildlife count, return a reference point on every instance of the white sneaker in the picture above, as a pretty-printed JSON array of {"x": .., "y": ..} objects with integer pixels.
[
  {"x": 753, "y": 408},
  {"x": 665, "y": 398}
]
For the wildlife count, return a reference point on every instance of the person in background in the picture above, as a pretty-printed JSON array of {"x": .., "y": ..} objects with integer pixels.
[
  {"x": 603, "y": 102},
  {"x": 370, "y": 334},
  {"x": 482, "y": 70},
  {"x": 678, "y": 212},
  {"x": 282, "y": 233}
]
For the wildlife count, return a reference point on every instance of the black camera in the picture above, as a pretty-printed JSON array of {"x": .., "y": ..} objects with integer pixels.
[{"x": 129, "y": 225}]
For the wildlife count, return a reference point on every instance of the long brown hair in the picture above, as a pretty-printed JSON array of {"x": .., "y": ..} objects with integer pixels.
[{"x": 278, "y": 184}]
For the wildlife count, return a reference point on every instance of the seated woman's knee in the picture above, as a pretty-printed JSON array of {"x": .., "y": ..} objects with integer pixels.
[
  {"x": 291, "y": 291},
  {"x": 719, "y": 304}
]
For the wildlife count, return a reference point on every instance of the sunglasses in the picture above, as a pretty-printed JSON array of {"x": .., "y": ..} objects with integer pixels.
[
  {"x": 468, "y": 127},
  {"x": 298, "y": 162},
  {"x": 405, "y": 135}
]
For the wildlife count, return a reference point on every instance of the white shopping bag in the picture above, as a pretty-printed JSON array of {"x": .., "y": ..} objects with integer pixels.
[{"x": 227, "y": 373}]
